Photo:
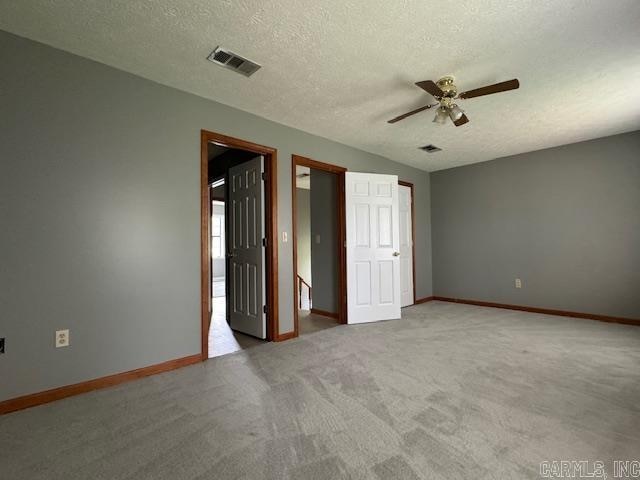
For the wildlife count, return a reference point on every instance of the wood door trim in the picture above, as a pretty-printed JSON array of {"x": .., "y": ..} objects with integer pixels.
[
  {"x": 59, "y": 393},
  {"x": 271, "y": 234},
  {"x": 342, "y": 259},
  {"x": 311, "y": 163},
  {"x": 286, "y": 336},
  {"x": 413, "y": 234}
]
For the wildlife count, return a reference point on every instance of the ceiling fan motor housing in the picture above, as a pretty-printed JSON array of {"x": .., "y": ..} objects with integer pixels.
[{"x": 448, "y": 86}]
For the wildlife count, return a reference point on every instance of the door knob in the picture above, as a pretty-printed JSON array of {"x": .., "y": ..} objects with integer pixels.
[
  {"x": 231, "y": 255},
  {"x": 396, "y": 254}
]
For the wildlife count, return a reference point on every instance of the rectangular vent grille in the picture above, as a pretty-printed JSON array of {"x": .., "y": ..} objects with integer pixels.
[
  {"x": 230, "y": 60},
  {"x": 430, "y": 148}
]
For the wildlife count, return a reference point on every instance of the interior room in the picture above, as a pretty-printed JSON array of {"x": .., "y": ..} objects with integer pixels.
[{"x": 319, "y": 240}]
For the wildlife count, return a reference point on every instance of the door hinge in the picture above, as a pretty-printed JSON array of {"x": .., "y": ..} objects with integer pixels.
[
  {"x": 264, "y": 308},
  {"x": 263, "y": 176},
  {"x": 264, "y": 242}
]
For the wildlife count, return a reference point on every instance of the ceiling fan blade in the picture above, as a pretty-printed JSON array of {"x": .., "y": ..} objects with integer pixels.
[
  {"x": 461, "y": 121},
  {"x": 412, "y": 112},
  {"x": 489, "y": 89},
  {"x": 429, "y": 86}
]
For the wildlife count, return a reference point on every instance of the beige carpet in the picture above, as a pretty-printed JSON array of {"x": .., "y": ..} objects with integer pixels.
[{"x": 450, "y": 391}]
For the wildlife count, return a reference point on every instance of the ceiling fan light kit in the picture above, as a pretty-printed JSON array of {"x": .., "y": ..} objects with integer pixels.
[
  {"x": 455, "y": 112},
  {"x": 441, "y": 116},
  {"x": 445, "y": 92}
]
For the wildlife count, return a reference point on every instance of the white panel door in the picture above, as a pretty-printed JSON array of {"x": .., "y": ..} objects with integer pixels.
[
  {"x": 406, "y": 245},
  {"x": 373, "y": 241},
  {"x": 246, "y": 250}
]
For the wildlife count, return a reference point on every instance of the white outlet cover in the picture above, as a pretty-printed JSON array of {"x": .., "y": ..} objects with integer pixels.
[
  {"x": 518, "y": 283},
  {"x": 62, "y": 338}
]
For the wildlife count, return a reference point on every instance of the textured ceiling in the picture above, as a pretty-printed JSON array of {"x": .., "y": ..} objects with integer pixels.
[{"x": 341, "y": 68}]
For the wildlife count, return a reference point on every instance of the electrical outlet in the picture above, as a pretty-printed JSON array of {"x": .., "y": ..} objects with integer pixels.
[
  {"x": 62, "y": 338},
  {"x": 518, "y": 283},
  {"x": 1, "y": 345}
]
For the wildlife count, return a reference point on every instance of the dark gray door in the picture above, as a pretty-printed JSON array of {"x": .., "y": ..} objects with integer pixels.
[{"x": 246, "y": 250}]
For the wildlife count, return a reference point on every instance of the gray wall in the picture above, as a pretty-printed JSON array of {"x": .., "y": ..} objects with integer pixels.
[
  {"x": 324, "y": 240},
  {"x": 303, "y": 225},
  {"x": 565, "y": 220},
  {"x": 99, "y": 207}
]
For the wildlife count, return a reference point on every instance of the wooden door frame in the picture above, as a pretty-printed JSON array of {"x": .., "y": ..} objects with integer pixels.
[
  {"x": 298, "y": 160},
  {"x": 271, "y": 232},
  {"x": 413, "y": 234}
]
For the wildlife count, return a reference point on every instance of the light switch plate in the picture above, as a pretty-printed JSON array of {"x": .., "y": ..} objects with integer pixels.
[
  {"x": 284, "y": 237},
  {"x": 518, "y": 283},
  {"x": 62, "y": 338}
]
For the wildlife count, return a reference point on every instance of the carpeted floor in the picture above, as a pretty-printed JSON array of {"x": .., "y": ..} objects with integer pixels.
[{"x": 450, "y": 391}]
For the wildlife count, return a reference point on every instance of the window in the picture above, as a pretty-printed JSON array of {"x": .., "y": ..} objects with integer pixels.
[{"x": 217, "y": 229}]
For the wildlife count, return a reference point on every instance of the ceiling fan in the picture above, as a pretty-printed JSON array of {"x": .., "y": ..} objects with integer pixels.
[{"x": 445, "y": 92}]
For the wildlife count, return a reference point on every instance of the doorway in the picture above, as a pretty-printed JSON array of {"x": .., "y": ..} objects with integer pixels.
[
  {"x": 407, "y": 243},
  {"x": 238, "y": 244},
  {"x": 318, "y": 245}
]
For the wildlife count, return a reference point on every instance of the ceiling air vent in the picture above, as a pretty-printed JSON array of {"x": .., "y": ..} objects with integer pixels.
[
  {"x": 430, "y": 148},
  {"x": 230, "y": 60}
]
